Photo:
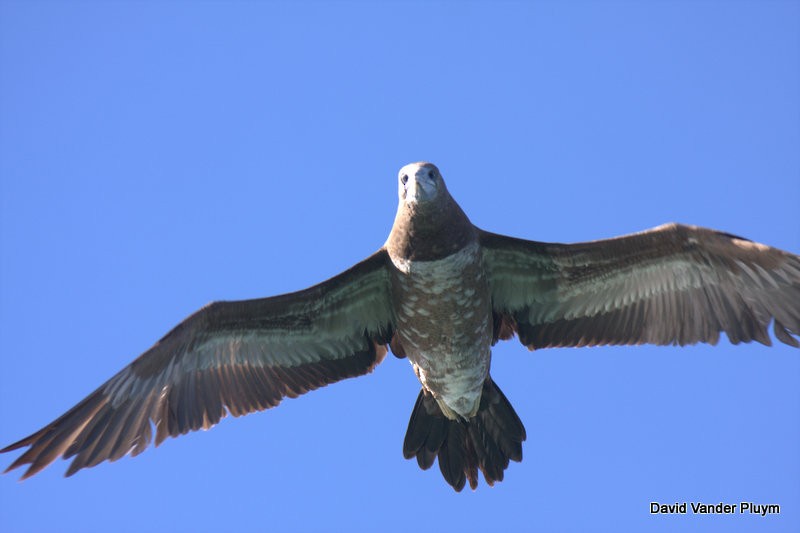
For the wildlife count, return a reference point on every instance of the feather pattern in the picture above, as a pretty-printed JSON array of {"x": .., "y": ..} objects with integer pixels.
[
  {"x": 673, "y": 284},
  {"x": 229, "y": 357}
]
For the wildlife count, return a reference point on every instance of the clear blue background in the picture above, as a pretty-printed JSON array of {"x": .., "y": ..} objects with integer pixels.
[{"x": 156, "y": 156}]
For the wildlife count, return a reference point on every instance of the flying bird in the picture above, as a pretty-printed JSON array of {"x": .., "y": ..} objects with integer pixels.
[{"x": 440, "y": 292}]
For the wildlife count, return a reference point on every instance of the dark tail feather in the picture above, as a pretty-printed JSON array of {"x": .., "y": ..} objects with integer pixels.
[{"x": 486, "y": 441}]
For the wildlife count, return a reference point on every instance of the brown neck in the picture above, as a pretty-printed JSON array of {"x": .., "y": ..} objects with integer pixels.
[{"x": 430, "y": 231}]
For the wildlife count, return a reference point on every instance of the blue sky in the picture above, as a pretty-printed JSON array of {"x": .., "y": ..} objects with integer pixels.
[{"x": 155, "y": 156}]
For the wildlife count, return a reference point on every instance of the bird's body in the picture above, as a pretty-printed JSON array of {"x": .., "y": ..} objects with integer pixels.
[
  {"x": 440, "y": 292},
  {"x": 445, "y": 330},
  {"x": 443, "y": 326}
]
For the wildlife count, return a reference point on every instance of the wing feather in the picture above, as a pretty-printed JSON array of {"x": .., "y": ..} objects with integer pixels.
[
  {"x": 673, "y": 284},
  {"x": 229, "y": 357}
]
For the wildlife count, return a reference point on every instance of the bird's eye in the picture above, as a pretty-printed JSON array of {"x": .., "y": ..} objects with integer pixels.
[
  {"x": 404, "y": 179},
  {"x": 432, "y": 174}
]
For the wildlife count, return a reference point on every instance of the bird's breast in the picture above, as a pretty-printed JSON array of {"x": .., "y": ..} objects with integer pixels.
[{"x": 444, "y": 314}]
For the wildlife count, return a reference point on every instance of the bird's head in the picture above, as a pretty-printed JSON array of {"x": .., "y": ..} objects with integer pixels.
[
  {"x": 419, "y": 184},
  {"x": 429, "y": 224}
]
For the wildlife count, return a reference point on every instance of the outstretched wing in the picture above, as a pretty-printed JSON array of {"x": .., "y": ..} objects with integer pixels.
[
  {"x": 673, "y": 284},
  {"x": 229, "y": 357}
]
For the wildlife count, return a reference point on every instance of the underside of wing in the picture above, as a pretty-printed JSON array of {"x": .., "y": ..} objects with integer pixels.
[
  {"x": 229, "y": 357},
  {"x": 673, "y": 284}
]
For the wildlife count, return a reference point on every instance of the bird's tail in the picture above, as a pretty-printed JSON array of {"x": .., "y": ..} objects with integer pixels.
[{"x": 487, "y": 441}]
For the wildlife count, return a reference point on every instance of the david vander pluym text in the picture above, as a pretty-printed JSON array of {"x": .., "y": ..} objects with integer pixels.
[{"x": 715, "y": 508}]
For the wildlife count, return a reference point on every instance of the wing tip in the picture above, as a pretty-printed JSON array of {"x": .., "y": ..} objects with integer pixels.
[{"x": 19, "y": 444}]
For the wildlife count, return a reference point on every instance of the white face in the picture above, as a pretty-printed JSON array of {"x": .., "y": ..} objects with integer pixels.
[{"x": 419, "y": 183}]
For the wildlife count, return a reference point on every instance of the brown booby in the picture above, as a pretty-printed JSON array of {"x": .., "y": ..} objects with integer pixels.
[{"x": 440, "y": 292}]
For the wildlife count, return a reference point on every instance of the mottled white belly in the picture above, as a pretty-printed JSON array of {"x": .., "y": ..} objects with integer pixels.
[{"x": 444, "y": 324}]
